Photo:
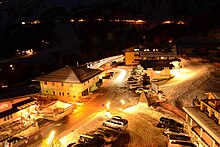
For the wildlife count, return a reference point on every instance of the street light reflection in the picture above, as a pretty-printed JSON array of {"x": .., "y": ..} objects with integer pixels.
[
  {"x": 51, "y": 137},
  {"x": 121, "y": 76}
]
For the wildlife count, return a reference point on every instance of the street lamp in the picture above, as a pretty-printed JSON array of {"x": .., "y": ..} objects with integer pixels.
[
  {"x": 122, "y": 104},
  {"x": 108, "y": 106}
]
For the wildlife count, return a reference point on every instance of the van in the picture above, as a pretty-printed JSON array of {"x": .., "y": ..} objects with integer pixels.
[{"x": 119, "y": 124}]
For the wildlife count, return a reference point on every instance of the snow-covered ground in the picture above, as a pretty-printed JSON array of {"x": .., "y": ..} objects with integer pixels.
[{"x": 194, "y": 79}]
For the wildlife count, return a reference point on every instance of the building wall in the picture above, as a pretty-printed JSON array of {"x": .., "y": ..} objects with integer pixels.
[
  {"x": 18, "y": 115},
  {"x": 131, "y": 58},
  {"x": 156, "y": 75},
  {"x": 69, "y": 91}
]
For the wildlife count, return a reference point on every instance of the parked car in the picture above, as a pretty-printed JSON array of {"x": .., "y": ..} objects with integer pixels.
[
  {"x": 139, "y": 90},
  {"x": 91, "y": 140},
  {"x": 105, "y": 135},
  {"x": 114, "y": 132},
  {"x": 133, "y": 86},
  {"x": 174, "y": 137},
  {"x": 169, "y": 123},
  {"x": 181, "y": 144},
  {"x": 119, "y": 124},
  {"x": 174, "y": 131},
  {"x": 117, "y": 117},
  {"x": 16, "y": 142}
]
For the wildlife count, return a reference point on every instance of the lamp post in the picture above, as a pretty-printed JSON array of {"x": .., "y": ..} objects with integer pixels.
[
  {"x": 122, "y": 104},
  {"x": 108, "y": 106}
]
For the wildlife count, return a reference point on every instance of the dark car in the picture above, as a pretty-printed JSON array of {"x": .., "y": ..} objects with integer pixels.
[
  {"x": 16, "y": 142},
  {"x": 169, "y": 123},
  {"x": 181, "y": 143},
  {"x": 91, "y": 140},
  {"x": 173, "y": 137}
]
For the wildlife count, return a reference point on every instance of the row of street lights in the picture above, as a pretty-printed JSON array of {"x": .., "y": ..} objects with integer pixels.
[{"x": 122, "y": 105}]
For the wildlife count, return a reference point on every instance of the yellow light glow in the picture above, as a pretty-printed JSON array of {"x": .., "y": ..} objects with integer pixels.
[
  {"x": 139, "y": 21},
  {"x": 72, "y": 20},
  {"x": 81, "y": 20},
  {"x": 108, "y": 105},
  {"x": 167, "y": 22},
  {"x": 35, "y": 22},
  {"x": 122, "y": 102},
  {"x": 121, "y": 76},
  {"x": 51, "y": 137}
]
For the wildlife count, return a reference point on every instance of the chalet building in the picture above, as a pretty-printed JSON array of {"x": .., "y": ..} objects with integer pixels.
[
  {"x": 134, "y": 55},
  {"x": 204, "y": 121},
  {"x": 16, "y": 108},
  {"x": 157, "y": 69},
  {"x": 69, "y": 83}
]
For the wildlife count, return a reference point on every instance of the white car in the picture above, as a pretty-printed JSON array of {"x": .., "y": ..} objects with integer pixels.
[
  {"x": 118, "y": 124},
  {"x": 139, "y": 90}
]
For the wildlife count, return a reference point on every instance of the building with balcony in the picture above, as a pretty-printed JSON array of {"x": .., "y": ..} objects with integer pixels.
[
  {"x": 70, "y": 83},
  {"x": 204, "y": 121},
  {"x": 134, "y": 55}
]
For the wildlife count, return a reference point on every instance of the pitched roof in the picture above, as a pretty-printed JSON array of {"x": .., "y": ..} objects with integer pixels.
[{"x": 70, "y": 74}]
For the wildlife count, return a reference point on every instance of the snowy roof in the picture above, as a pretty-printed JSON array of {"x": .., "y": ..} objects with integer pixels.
[{"x": 70, "y": 74}]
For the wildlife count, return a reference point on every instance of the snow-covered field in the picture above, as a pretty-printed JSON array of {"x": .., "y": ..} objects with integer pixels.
[{"x": 194, "y": 79}]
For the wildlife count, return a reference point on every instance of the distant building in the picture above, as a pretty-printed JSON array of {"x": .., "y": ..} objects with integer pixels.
[
  {"x": 156, "y": 62},
  {"x": 69, "y": 83},
  {"x": 204, "y": 121},
  {"x": 134, "y": 55}
]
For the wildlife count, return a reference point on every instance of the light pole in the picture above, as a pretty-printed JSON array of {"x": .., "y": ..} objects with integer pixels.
[{"x": 122, "y": 104}]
